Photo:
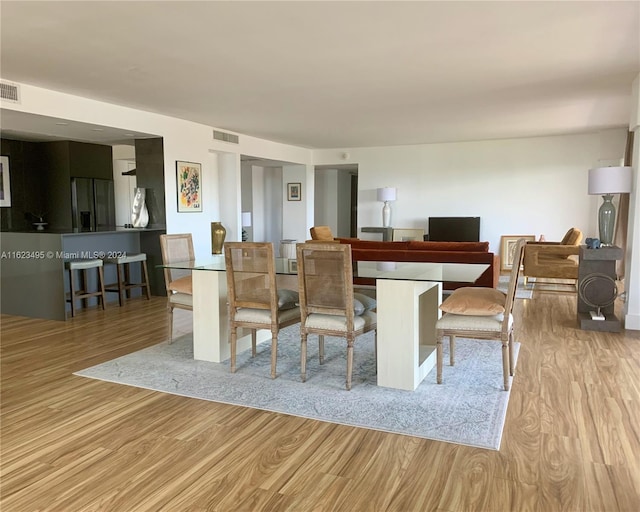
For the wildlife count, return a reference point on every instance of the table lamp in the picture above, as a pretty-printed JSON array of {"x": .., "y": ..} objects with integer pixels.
[
  {"x": 246, "y": 223},
  {"x": 606, "y": 181},
  {"x": 386, "y": 195}
]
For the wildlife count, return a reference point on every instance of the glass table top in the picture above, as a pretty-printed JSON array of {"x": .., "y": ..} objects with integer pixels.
[{"x": 409, "y": 271}]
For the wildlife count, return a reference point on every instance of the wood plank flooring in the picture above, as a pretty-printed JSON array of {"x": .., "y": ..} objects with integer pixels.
[{"x": 571, "y": 440}]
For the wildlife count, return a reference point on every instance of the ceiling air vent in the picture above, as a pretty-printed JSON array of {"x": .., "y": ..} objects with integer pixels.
[
  {"x": 9, "y": 92},
  {"x": 226, "y": 137}
]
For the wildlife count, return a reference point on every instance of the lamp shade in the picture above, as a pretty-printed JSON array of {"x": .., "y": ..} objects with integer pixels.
[
  {"x": 610, "y": 180},
  {"x": 387, "y": 194},
  {"x": 246, "y": 219}
]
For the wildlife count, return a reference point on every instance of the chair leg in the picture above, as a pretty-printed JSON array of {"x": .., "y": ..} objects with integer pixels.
[
  {"x": 72, "y": 286},
  {"x": 505, "y": 364},
  {"x": 145, "y": 273},
  {"x": 349, "y": 361},
  {"x": 103, "y": 293},
  {"x": 303, "y": 356},
  {"x": 452, "y": 349},
  {"x": 439, "y": 360},
  {"x": 233, "y": 333},
  {"x": 321, "y": 348},
  {"x": 170, "y": 325},
  {"x": 254, "y": 342},
  {"x": 84, "y": 284},
  {"x": 375, "y": 347},
  {"x": 120, "y": 283},
  {"x": 274, "y": 353},
  {"x": 511, "y": 355}
]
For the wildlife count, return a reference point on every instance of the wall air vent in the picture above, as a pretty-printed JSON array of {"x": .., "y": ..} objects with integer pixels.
[
  {"x": 9, "y": 92},
  {"x": 226, "y": 137}
]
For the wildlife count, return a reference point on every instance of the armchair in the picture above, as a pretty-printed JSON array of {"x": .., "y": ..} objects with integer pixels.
[
  {"x": 557, "y": 260},
  {"x": 321, "y": 233}
]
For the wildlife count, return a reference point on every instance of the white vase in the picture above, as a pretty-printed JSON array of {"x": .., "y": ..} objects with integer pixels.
[{"x": 139, "y": 212}]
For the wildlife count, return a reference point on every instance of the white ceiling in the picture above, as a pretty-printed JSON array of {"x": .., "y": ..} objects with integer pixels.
[{"x": 339, "y": 74}]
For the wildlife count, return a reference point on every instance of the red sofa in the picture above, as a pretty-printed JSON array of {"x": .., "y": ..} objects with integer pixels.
[{"x": 435, "y": 252}]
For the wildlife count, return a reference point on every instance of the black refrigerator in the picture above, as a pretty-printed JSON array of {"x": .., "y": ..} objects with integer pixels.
[{"x": 93, "y": 204}]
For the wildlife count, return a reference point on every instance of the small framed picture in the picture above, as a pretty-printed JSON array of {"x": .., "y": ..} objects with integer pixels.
[
  {"x": 5, "y": 182},
  {"x": 294, "y": 192},
  {"x": 293, "y": 266},
  {"x": 189, "y": 181},
  {"x": 508, "y": 249}
]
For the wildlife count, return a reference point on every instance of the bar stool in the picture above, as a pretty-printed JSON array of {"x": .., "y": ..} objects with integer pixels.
[
  {"x": 124, "y": 283},
  {"x": 82, "y": 293}
]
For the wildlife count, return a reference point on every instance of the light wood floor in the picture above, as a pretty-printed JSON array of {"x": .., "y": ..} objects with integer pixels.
[{"x": 571, "y": 441}]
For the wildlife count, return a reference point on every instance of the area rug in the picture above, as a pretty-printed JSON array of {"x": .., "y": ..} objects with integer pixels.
[
  {"x": 469, "y": 408},
  {"x": 522, "y": 291}
]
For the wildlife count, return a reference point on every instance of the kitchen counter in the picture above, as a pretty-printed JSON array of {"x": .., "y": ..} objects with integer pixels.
[{"x": 34, "y": 282}]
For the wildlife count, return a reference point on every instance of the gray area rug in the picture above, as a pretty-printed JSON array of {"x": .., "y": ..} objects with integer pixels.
[{"x": 468, "y": 408}]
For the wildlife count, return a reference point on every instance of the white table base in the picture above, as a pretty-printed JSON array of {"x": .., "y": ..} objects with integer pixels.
[{"x": 407, "y": 314}]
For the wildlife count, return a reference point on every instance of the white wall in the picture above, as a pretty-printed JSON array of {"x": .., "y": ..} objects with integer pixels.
[
  {"x": 517, "y": 186},
  {"x": 295, "y": 220}
]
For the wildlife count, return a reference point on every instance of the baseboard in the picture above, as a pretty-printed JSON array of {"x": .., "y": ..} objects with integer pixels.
[{"x": 632, "y": 322}]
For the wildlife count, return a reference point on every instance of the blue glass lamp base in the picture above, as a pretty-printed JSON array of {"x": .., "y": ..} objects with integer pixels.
[{"x": 607, "y": 220}]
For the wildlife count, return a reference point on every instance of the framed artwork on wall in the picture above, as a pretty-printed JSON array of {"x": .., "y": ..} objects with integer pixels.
[
  {"x": 294, "y": 192},
  {"x": 508, "y": 249},
  {"x": 5, "y": 182},
  {"x": 189, "y": 181}
]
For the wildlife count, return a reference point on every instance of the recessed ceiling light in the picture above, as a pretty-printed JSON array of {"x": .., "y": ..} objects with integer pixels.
[
  {"x": 129, "y": 135},
  {"x": 97, "y": 130},
  {"x": 62, "y": 124}
]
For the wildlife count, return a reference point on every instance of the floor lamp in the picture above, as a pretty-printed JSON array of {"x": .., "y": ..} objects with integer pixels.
[{"x": 606, "y": 181}]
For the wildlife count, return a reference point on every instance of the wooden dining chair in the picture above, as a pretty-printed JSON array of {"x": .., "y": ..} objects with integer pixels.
[
  {"x": 483, "y": 314},
  {"x": 178, "y": 282},
  {"x": 255, "y": 302},
  {"x": 327, "y": 304}
]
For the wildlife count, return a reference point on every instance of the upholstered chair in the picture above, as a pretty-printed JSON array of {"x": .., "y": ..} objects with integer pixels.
[
  {"x": 553, "y": 260},
  {"x": 321, "y": 233},
  {"x": 177, "y": 248},
  {"x": 255, "y": 302},
  {"x": 328, "y": 305},
  {"x": 480, "y": 314}
]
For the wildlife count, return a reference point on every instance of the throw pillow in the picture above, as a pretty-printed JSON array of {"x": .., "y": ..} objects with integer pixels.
[
  {"x": 367, "y": 302},
  {"x": 475, "y": 301},
  {"x": 287, "y": 299},
  {"x": 182, "y": 285}
]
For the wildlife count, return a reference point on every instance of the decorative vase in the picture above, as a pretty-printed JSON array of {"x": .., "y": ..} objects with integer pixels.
[
  {"x": 607, "y": 220},
  {"x": 218, "y": 234},
  {"x": 139, "y": 212}
]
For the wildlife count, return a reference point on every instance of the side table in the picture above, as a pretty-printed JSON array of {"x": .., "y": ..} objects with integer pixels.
[
  {"x": 595, "y": 267},
  {"x": 387, "y": 233}
]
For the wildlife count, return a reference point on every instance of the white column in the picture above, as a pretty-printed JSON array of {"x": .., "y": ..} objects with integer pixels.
[{"x": 632, "y": 262}]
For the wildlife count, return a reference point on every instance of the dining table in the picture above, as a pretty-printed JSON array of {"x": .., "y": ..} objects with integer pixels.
[{"x": 408, "y": 296}]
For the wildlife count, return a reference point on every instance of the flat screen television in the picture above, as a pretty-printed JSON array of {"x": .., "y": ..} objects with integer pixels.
[{"x": 454, "y": 229}]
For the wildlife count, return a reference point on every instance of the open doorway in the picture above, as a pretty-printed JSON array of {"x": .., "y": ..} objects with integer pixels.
[
  {"x": 336, "y": 198},
  {"x": 264, "y": 204}
]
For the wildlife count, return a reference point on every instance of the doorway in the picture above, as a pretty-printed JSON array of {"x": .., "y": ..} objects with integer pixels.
[{"x": 336, "y": 199}]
